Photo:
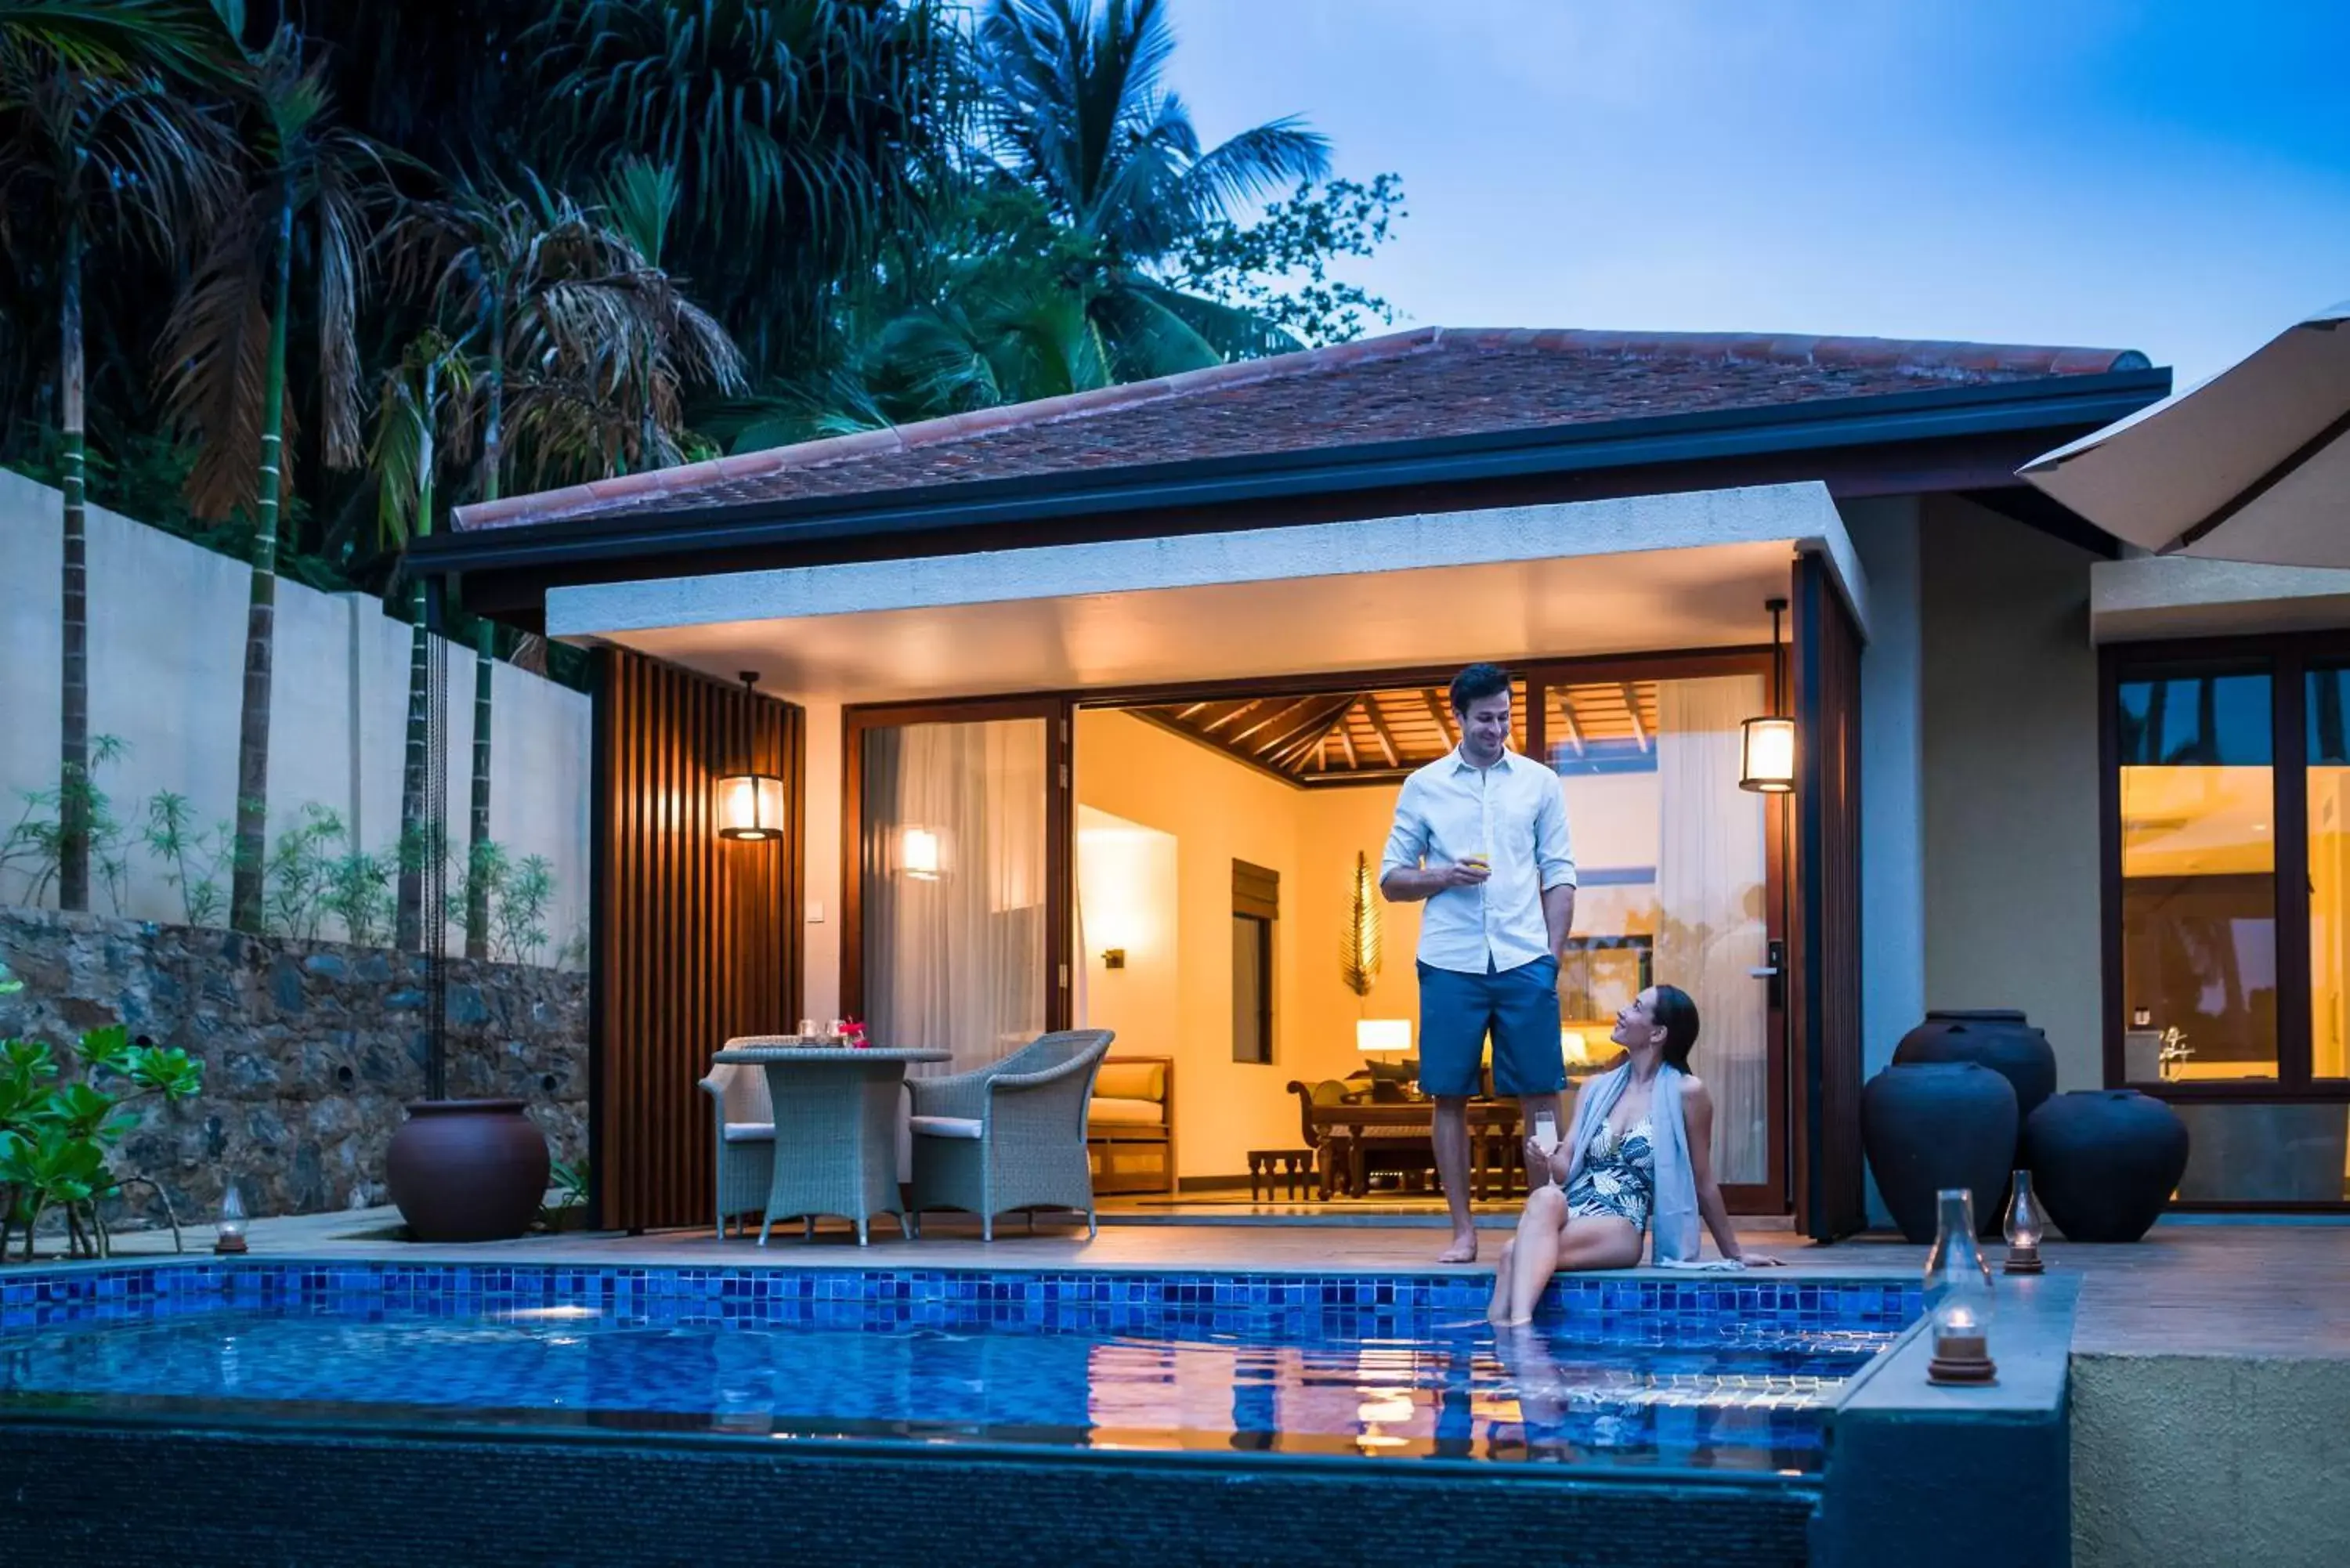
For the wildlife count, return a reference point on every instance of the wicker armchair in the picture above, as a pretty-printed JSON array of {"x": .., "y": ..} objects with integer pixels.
[
  {"x": 744, "y": 1131},
  {"x": 1011, "y": 1134}
]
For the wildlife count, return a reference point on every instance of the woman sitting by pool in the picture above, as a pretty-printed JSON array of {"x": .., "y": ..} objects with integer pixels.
[{"x": 1639, "y": 1158}]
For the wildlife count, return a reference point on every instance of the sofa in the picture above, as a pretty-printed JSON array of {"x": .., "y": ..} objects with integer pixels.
[{"x": 1131, "y": 1124}]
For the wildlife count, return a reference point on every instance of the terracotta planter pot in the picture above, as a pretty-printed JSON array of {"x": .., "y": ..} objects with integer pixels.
[
  {"x": 1931, "y": 1124},
  {"x": 467, "y": 1170},
  {"x": 2106, "y": 1161}
]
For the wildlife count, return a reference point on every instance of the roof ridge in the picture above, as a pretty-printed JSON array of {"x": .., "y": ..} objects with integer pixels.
[
  {"x": 1925, "y": 356},
  {"x": 952, "y": 427}
]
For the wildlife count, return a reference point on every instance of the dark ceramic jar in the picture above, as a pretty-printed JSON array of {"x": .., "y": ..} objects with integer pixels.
[
  {"x": 1999, "y": 1038},
  {"x": 1927, "y": 1125},
  {"x": 2106, "y": 1161},
  {"x": 467, "y": 1170}
]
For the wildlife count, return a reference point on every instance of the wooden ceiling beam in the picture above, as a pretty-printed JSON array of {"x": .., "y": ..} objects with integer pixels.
[
  {"x": 1292, "y": 743},
  {"x": 1346, "y": 738},
  {"x": 1273, "y": 717},
  {"x": 1444, "y": 717},
  {"x": 1632, "y": 706},
  {"x": 1566, "y": 716},
  {"x": 1380, "y": 728},
  {"x": 1239, "y": 708}
]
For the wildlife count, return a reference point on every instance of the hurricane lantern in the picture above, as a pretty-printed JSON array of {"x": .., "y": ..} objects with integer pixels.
[{"x": 1959, "y": 1299}]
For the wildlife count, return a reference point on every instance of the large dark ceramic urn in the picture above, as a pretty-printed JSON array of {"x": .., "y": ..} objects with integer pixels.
[
  {"x": 2000, "y": 1039},
  {"x": 1927, "y": 1126},
  {"x": 2105, "y": 1161},
  {"x": 468, "y": 1170}
]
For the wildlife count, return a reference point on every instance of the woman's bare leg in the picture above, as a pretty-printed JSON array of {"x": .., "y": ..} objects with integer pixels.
[
  {"x": 1535, "y": 1251},
  {"x": 1495, "y": 1310},
  {"x": 1597, "y": 1241}
]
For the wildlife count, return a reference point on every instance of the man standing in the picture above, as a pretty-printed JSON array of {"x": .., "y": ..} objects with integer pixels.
[{"x": 1481, "y": 834}]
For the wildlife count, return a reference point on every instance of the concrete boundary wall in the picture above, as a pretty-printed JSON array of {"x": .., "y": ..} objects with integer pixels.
[{"x": 167, "y": 660}]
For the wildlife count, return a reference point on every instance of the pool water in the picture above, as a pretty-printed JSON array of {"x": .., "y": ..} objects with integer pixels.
[{"x": 1416, "y": 1374}]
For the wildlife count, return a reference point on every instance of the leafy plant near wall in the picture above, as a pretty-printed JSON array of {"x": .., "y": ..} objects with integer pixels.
[
  {"x": 314, "y": 874},
  {"x": 58, "y": 1139},
  {"x": 1359, "y": 943},
  {"x": 515, "y": 895},
  {"x": 193, "y": 860},
  {"x": 34, "y": 847}
]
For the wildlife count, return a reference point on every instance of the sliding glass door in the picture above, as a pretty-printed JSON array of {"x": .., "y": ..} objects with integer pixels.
[
  {"x": 955, "y": 925},
  {"x": 1679, "y": 876}
]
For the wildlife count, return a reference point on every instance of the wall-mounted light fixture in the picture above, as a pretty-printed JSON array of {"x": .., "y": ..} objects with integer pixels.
[
  {"x": 918, "y": 854},
  {"x": 749, "y": 803},
  {"x": 1767, "y": 744},
  {"x": 1113, "y": 957}
]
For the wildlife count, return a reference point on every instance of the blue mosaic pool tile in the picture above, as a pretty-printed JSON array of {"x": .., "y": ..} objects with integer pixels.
[{"x": 1612, "y": 1310}]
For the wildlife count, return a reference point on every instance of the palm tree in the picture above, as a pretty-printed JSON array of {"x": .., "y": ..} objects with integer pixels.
[
  {"x": 798, "y": 133},
  {"x": 602, "y": 342},
  {"x": 1076, "y": 109},
  {"x": 94, "y": 141},
  {"x": 405, "y": 457},
  {"x": 320, "y": 192}
]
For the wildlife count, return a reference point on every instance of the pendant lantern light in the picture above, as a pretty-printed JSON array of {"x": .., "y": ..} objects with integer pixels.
[
  {"x": 1767, "y": 744},
  {"x": 749, "y": 803}
]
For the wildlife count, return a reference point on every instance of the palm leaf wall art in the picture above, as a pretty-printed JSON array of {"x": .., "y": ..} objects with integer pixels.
[{"x": 1358, "y": 942}]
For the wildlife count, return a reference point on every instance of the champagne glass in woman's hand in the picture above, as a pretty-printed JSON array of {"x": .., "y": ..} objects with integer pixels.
[{"x": 1539, "y": 1159}]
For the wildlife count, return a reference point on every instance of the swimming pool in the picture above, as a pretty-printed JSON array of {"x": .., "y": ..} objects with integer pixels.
[{"x": 1698, "y": 1375}]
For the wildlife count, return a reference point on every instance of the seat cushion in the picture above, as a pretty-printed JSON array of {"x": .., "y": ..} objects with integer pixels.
[
  {"x": 750, "y": 1132},
  {"x": 1126, "y": 1113},
  {"x": 946, "y": 1127},
  {"x": 1131, "y": 1081}
]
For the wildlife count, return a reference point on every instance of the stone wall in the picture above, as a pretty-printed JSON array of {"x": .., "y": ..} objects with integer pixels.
[{"x": 311, "y": 1049}]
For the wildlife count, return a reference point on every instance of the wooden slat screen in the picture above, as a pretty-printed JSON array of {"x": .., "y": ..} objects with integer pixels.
[
  {"x": 1824, "y": 1002},
  {"x": 695, "y": 938}
]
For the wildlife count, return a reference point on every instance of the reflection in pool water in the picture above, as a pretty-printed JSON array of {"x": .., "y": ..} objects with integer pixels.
[{"x": 1381, "y": 1384}]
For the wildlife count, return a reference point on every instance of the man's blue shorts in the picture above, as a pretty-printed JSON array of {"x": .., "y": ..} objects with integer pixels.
[{"x": 1519, "y": 1008}]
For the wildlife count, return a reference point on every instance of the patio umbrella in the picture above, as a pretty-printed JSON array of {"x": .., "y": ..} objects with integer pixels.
[{"x": 2250, "y": 465}]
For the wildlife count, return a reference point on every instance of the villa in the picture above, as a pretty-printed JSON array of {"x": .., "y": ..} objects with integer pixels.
[{"x": 1085, "y": 710}]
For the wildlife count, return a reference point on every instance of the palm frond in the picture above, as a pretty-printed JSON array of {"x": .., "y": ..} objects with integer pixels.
[{"x": 117, "y": 37}]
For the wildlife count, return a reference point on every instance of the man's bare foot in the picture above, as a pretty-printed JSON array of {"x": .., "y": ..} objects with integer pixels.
[{"x": 1462, "y": 1251}]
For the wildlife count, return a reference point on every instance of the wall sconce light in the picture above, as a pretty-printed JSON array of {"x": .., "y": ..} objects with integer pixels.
[
  {"x": 228, "y": 1232},
  {"x": 1383, "y": 1035},
  {"x": 1959, "y": 1295},
  {"x": 2023, "y": 1230},
  {"x": 749, "y": 803},
  {"x": 918, "y": 854},
  {"x": 1113, "y": 957},
  {"x": 1767, "y": 744}
]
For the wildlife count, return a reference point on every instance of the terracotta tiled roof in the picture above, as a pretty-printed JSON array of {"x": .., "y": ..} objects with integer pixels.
[{"x": 1432, "y": 381}]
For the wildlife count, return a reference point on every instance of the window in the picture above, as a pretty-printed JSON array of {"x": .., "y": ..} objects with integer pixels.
[
  {"x": 1256, "y": 905},
  {"x": 2198, "y": 882},
  {"x": 2228, "y": 907}
]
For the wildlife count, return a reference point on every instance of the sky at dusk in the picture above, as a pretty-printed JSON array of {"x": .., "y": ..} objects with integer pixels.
[{"x": 2171, "y": 177}]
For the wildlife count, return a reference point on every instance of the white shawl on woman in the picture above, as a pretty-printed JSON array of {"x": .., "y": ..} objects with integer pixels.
[{"x": 1672, "y": 1210}]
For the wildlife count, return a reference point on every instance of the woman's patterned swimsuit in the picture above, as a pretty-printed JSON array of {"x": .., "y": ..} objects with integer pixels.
[{"x": 1619, "y": 1176}]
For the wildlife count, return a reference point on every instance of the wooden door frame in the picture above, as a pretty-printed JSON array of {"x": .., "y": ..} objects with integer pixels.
[{"x": 1060, "y": 831}]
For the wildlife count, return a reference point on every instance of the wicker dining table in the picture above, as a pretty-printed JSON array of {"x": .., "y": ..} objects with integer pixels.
[{"x": 836, "y": 1127}]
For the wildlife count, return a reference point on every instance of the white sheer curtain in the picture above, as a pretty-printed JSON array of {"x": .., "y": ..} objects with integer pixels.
[
  {"x": 952, "y": 881},
  {"x": 1711, "y": 931}
]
